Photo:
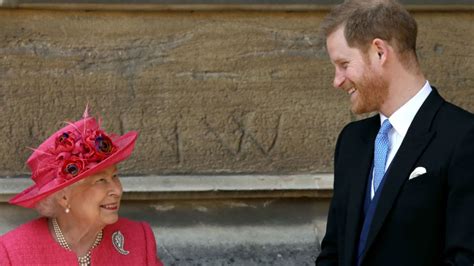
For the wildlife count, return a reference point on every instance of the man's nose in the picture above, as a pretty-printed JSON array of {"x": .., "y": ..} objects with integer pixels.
[{"x": 338, "y": 79}]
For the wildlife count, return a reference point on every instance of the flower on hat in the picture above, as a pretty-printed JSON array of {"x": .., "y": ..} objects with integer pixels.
[
  {"x": 75, "y": 151},
  {"x": 64, "y": 142},
  {"x": 71, "y": 167},
  {"x": 99, "y": 145}
]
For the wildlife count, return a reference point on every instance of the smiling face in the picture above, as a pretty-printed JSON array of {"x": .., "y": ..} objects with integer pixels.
[
  {"x": 355, "y": 73},
  {"x": 96, "y": 199}
]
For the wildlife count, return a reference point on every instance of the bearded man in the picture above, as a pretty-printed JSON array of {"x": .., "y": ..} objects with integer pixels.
[{"x": 404, "y": 178}]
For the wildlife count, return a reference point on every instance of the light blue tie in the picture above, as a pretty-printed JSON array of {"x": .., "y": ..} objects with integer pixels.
[{"x": 382, "y": 147}]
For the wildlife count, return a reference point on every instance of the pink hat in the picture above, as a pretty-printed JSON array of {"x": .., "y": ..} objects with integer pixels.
[{"x": 76, "y": 151}]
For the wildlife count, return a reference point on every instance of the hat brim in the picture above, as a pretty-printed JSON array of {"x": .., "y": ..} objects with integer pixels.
[{"x": 29, "y": 197}]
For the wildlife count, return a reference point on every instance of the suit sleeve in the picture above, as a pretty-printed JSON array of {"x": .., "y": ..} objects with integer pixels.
[
  {"x": 459, "y": 248},
  {"x": 329, "y": 245},
  {"x": 152, "y": 258}
]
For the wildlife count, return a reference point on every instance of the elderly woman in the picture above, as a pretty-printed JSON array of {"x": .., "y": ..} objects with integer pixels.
[{"x": 77, "y": 191}]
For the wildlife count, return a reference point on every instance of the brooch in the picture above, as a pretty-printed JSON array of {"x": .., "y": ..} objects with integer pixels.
[{"x": 119, "y": 241}]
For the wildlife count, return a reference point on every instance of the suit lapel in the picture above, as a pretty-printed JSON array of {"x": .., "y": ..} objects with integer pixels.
[
  {"x": 413, "y": 145},
  {"x": 360, "y": 168}
]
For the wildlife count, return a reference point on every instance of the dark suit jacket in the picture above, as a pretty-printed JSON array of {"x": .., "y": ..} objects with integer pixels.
[{"x": 428, "y": 220}]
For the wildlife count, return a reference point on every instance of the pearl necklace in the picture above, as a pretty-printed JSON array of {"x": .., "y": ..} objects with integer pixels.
[{"x": 84, "y": 260}]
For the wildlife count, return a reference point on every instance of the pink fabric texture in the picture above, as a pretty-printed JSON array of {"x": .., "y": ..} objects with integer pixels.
[{"x": 32, "y": 244}]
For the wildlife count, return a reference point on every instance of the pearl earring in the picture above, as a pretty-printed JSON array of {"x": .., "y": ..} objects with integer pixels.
[{"x": 67, "y": 210}]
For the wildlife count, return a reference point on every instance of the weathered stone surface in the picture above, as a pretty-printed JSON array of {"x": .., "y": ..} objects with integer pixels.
[{"x": 239, "y": 92}]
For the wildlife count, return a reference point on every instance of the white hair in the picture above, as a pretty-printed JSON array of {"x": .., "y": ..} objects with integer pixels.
[{"x": 49, "y": 206}]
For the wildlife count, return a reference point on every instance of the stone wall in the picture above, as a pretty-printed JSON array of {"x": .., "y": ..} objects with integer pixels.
[{"x": 210, "y": 92}]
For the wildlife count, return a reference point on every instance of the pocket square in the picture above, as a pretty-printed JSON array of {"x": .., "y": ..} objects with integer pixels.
[{"x": 417, "y": 172}]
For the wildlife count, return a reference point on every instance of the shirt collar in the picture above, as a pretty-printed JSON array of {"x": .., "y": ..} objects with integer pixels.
[{"x": 402, "y": 118}]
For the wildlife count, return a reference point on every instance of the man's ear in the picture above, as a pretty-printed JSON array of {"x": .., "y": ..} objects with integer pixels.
[{"x": 379, "y": 50}]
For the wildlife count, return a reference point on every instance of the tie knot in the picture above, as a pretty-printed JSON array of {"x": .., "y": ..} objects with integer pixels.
[{"x": 386, "y": 126}]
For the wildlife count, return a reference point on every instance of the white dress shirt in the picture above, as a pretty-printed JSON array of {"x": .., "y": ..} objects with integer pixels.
[{"x": 401, "y": 121}]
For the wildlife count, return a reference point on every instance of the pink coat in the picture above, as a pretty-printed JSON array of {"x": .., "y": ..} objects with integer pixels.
[{"x": 32, "y": 244}]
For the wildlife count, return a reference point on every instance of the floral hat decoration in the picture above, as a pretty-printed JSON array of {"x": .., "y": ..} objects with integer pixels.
[{"x": 76, "y": 151}]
